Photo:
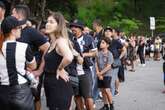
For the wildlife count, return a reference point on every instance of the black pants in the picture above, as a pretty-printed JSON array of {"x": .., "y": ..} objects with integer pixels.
[
  {"x": 17, "y": 97},
  {"x": 142, "y": 58}
]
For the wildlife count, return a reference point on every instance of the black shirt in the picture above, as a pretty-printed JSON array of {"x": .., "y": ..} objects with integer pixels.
[
  {"x": 34, "y": 38},
  {"x": 97, "y": 38},
  {"x": 115, "y": 47},
  {"x": 141, "y": 47}
]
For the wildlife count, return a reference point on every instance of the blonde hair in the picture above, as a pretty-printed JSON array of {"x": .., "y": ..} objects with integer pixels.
[{"x": 61, "y": 30}]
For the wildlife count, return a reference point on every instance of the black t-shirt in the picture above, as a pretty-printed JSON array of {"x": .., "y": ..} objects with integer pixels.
[
  {"x": 34, "y": 38},
  {"x": 115, "y": 48},
  {"x": 97, "y": 38},
  {"x": 141, "y": 48}
]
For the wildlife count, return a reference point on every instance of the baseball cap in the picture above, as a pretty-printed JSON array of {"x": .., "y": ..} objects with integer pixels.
[
  {"x": 10, "y": 23},
  {"x": 77, "y": 23},
  {"x": 2, "y": 5},
  {"x": 108, "y": 28}
]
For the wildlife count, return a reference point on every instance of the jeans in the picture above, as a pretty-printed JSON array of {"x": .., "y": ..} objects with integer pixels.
[
  {"x": 95, "y": 89},
  {"x": 114, "y": 78}
]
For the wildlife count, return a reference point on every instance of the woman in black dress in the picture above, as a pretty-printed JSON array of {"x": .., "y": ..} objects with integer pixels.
[{"x": 58, "y": 90}]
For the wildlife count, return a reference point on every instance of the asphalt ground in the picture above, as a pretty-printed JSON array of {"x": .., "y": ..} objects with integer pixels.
[{"x": 140, "y": 91}]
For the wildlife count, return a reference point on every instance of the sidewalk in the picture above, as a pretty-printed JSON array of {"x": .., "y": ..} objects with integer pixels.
[{"x": 141, "y": 90}]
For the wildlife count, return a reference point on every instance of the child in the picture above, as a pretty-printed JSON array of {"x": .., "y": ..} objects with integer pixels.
[
  {"x": 103, "y": 70},
  {"x": 164, "y": 72}
]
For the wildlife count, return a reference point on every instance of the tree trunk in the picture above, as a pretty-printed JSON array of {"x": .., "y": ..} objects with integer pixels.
[{"x": 42, "y": 7}]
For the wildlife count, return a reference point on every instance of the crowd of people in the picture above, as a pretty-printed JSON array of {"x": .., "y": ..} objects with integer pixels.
[{"x": 70, "y": 61}]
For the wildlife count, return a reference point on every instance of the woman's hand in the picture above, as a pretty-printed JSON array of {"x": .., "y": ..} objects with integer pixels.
[
  {"x": 80, "y": 60},
  {"x": 63, "y": 74},
  {"x": 99, "y": 75},
  {"x": 37, "y": 73}
]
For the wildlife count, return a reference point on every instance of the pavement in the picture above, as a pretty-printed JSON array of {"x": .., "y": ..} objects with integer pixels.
[{"x": 140, "y": 91}]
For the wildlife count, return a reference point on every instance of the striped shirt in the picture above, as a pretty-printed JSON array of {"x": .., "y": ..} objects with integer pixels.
[{"x": 15, "y": 55}]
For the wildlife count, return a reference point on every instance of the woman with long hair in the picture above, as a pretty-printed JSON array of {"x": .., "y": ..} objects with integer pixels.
[
  {"x": 58, "y": 89},
  {"x": 15, "y": 93}
]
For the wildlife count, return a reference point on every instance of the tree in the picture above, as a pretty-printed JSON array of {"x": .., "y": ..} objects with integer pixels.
[{"x": 130, "y": 15}]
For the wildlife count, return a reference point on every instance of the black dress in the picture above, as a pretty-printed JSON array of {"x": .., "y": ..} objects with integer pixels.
[{"x": 58, "y": 92}]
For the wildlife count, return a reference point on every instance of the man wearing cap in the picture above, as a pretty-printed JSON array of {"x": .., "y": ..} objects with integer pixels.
[
  {"x": 87, "y": 50},
  {"x": 108, "y": 32},
  {"x": 15, "y": 93},
  {"x": 37, "y": 42}
]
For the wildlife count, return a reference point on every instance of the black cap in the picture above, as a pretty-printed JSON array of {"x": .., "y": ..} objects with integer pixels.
[
  {"x": 2, "y": 5},
  {"x": 10, "y": 23},
  {"x": 108, "y": 28},
  {"x": 77, "y": 23}
]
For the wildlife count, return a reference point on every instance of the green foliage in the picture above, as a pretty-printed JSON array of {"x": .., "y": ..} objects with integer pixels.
[
  {"x": 94, "y": 9},
  {"x": 67, "y": 7},
  {"x": 129, "y": 15},
  {"x": 160, "y": 24},
  {"x": 109, "y": 11},
  {"x": 129, "y": 25}
]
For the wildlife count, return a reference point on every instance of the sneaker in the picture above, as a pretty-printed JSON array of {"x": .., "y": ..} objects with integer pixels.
[
  {"x": 116, "y": 92},
  {"x": 100, "y": 95},
  {"x": 143, "y": 65},
  {"x": 111, "y": 107},
  {"x": 105, "y": 107},
  {"x": 132, "y": 70}
]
